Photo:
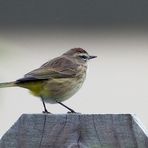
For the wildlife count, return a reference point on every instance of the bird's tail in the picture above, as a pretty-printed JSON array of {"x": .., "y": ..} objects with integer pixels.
[{"x": 7, "y": 84}]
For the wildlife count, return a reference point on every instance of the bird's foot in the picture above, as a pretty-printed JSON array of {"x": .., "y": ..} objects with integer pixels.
[
  {"x": 73, "y": 112},
  {"x": 46, "y": 112}
]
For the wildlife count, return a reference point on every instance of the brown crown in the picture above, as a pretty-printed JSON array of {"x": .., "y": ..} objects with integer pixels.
[{"x": 75, "y": 50}]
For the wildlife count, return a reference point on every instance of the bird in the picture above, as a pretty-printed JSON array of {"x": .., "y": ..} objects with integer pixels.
[{"x": 56, "y": 80}]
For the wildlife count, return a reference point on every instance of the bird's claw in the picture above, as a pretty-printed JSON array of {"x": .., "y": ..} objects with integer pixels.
[
  {"x": 46, "y": 112},
  {"x": 73, "y": 112}
]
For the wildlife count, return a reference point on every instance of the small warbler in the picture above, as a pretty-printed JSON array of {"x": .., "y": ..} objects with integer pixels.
[{"x": 58, "y": 79}]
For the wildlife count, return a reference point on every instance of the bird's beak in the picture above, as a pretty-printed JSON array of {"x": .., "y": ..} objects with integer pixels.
[{"x": 92, "y": 57}]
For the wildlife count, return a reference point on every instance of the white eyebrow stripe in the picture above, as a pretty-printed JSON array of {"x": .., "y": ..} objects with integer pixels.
[{"x": 83, "y": 54}]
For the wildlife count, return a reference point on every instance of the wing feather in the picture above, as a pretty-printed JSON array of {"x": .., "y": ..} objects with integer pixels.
[{"x": 60, "y": 67}]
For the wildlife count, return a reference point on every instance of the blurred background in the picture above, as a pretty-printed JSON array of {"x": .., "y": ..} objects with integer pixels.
[{"x": 33, "y": 32}]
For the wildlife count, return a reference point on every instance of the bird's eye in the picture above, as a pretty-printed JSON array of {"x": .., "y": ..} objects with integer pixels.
[{"x": 83, "y": 57}]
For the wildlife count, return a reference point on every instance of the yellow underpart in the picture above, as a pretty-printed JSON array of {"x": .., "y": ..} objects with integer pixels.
[{"x": 35, "y": 87}]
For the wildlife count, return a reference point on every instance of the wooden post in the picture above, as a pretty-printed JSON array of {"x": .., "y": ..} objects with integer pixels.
[{"x": 75, "y": 131}]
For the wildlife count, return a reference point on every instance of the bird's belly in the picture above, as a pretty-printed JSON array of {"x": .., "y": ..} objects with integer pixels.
[{"x": 61, "y": 89}]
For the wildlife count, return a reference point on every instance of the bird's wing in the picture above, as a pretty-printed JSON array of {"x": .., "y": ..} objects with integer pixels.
[{"x": 60, "y": 67}]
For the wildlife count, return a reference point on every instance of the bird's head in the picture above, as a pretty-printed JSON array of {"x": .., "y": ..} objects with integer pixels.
[{"x": 79, "y": 54}]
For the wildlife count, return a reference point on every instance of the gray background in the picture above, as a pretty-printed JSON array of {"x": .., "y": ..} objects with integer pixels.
[
  {"x": 73, "y": 13},
  {"x": 32, "y": 32}
]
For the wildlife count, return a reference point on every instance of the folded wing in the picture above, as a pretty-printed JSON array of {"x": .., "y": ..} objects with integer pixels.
[{"x": 60, "y": 67}]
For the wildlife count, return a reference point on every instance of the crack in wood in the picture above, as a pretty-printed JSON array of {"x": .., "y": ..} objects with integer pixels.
[
  {"x": 95, "y": 127},
  {"x": 59, "y": 133},
  {"x": 79, "y": 132},
  {"x": 43, "y": 131}
]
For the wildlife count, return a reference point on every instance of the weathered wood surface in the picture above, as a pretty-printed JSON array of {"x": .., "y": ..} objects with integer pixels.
[{"x": 75, "y": 131}]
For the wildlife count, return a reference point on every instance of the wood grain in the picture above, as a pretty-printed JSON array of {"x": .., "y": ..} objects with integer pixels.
[{"x": 75, "y": 131}]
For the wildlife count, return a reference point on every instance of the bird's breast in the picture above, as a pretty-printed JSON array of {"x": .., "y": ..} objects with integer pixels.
[{"x": 62, "y": 89}]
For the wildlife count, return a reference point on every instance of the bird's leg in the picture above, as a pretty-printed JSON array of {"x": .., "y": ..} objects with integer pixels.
[
  {"x": 45, "y": 109},
  {"x": 71, "y": 110}
]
